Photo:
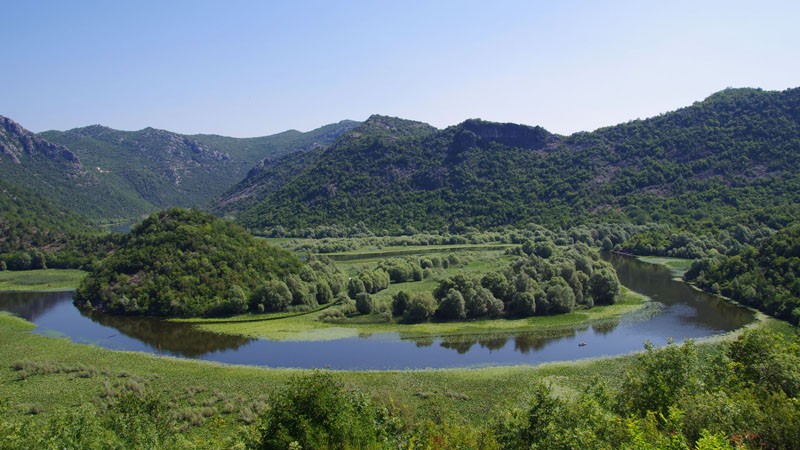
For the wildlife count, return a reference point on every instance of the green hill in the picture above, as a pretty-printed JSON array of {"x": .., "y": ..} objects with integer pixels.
[
  {"x": 189, "y": 263},
  {"x": 733, "y": 158},
  {"x": 291, "y": 141}
]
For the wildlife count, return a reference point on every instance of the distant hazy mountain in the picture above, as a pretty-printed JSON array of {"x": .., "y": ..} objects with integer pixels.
[
  {"x": 732, "y": 158},
  {"x": 157, "y": 169},
  {"x": 56, "y": 173}
]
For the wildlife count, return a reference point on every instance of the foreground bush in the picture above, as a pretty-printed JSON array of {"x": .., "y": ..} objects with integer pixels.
[{"x": 316, "y": 412}]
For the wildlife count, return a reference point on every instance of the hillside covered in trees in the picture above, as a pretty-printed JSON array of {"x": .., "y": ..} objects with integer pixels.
[
  {"x": 766, "y": 277},
  {"x": 733, "y": 158},
  {"x": 189, "y": 263},
  {"x": 156, "y": 169}
]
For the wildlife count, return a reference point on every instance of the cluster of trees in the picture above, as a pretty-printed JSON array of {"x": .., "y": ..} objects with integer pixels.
[
  {"x": 742, "y": 395},
  {"x": 317, "y": 283},
  {"x": 391, "y": 270},
  {"x": 79, "y": 251},
  {"x": 661, "y": 239},
  {"x": 544, "y": 280},
  {"x": 673, "y": 397},
  {"x": 766, "y": 277},
  {"x": 403, "y": 270},
  {"x": 664, "y": 240},
  {"x": 189, "y": 263}
]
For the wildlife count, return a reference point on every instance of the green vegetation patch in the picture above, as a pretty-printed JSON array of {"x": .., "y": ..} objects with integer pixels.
[
  {"x": 766, "y": 277},
  {"x": 678, "y": 266},
  {"x": 187, "y": 263},
  {"x": 41, "y": 280},
  {"x": 310, "y": 327}
]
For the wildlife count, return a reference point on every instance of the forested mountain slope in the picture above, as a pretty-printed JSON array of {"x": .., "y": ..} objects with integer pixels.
[
  {"x": 55, "y": 173},
  {"x": 732, "y": 158},
  {"x": 28, "y": 221},
  {"x": 158, "y": 169}
]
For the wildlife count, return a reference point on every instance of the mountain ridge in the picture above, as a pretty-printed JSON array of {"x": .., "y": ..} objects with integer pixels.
[
  {"x": 728, "y": 157},
  {"x": 159, "y": 169}
]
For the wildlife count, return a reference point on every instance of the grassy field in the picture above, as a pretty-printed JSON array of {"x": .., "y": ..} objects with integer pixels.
[{"x": 41, "y": 280}]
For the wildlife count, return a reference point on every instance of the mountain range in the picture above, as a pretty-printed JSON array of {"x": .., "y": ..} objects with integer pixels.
[{"x": 731, "y": 158}]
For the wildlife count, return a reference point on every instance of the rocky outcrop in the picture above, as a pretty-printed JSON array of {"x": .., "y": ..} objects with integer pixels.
[{"x": 17, "y": 143}]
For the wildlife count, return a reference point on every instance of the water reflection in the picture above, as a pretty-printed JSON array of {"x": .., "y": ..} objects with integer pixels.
[
  {"x": 677, "y": 312},
  {"x": 176, "y": 338},
  {"x": 30, "y": 305},
  {"x": 521, "y": 342},
  {"x": 693, "y": 306}
]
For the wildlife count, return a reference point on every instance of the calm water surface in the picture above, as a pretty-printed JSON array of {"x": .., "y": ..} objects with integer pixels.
[{"x": 677, "y": 312}]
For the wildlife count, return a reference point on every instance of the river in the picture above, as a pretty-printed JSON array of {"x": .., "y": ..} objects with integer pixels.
[{"x": 676, "y": 312}]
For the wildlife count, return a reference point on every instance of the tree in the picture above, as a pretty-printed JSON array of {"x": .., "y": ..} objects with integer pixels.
[
  {"x": 544, "y": 249},
  {"x": 604, "y": 286},
  {"x": 768, "y": 361},
  {"x": 523, "y": 304},
  {"x": 364, "y": 303},
  {"x": 659, "y": 377},
  {"x": 560, "y": 297},
  {"x": 274, "y": 296},
  {"x": 300, "y": 293},
  {"x": 400, "y": 302},
  {"x": 324, "y": 293},
  {"x": 496, "y": 283},
  {"x": 420, "y": 308},
  {"x": 354, "y": 287},
  {"x": 315, "y": 411},
  {"x": 452, "y": 306}
]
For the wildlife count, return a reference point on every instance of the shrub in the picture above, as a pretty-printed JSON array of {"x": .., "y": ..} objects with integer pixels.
[
  {"x": 452, "y": 306},
  {"x": 315, "y": 411},
  {"x": 364, "y": 303},
  {"x": 420, "y": 308}
]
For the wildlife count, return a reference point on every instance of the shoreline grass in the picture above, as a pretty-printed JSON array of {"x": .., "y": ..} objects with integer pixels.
[
  {"x": 63, "y": 374},
  {"x": 41, "y": 280},
  {"x": 678, "y": 266}
]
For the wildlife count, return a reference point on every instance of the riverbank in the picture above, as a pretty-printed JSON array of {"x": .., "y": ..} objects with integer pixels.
[
  {"x": 678, "y": 266},
  {"x": 41, "y": 280},
  {"x": 47, "y": 375}
]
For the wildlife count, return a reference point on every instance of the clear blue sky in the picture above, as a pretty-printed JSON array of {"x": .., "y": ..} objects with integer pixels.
[{"x": 252, "y": 68}]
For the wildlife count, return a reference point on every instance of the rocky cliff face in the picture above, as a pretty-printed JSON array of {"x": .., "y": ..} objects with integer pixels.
[{"x": 17, "y": 143}]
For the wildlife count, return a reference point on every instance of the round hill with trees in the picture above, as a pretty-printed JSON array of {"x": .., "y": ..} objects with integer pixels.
[{"x": 188, "y": 263}]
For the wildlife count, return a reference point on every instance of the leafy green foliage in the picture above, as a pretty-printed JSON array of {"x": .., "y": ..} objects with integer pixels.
[
  {"x": 132, "y": 421},
  {"x": 315, "y": 411},
  {"x": 548, "y": 422},
  {"x": 766, "y": 277},
  {"x": 419, "y": 308},
  {"x": 532, "y": 284},
  {"x": 731, "y": 159},
  {"x": 659, "y": 379},
  {"x": 189, "y": 263}
]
